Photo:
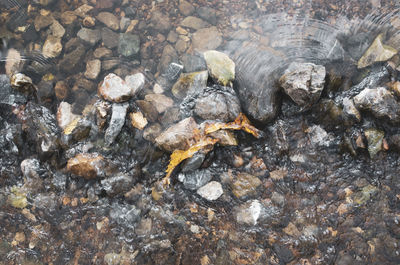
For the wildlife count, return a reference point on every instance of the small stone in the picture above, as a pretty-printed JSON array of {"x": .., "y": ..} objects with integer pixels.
[
  {"x": 87, "y": 165},
  {"x": 208, "y": 14},
  {"x": 303, "y": 82},
  {"x": 83, "y": 10},
  {"x": 93, "y": 68},
  {"x": 375, "y": 141},
  {"x": 206, "y": 39},
  {"x": 65, "y": 115},
  {"x": 17, "y": 198},
  {"x": 350, "y": 109},
  {"x": 249, "y": 212},
  {"x": 135, "y": 82},
  {"x": 181, "y": 46},
  {"x": 177, "y": 135},
  {"x": 193, "y": 63},
  {"x": 185, "y": 8},
  {"x": 377, "y": 52},
  {"x": 211, "y": 191},
  {"x": 116, "y": 123},
  {"x": 160, "y": 101},
  {"x": 189, "y": 83},
  {"x": 42, "y": 22},
  {"x": 129, "y": 44},
  {"x": 109, "y": 19},
  {"x": 124, "y": 23},
  {"x": 132, "y": 25},
  {"x": 89, "y": 22},
  {"x": 193, "y": 23},
  {"x": 160, "y": 21},
  {"x": 220, "y": 67},
  {"x": 151, "y": 132},
  {"x": 90, "y": 36},
  {"x": 138, "y": 120},
  {"x": 115, "y": 89},
  {"x": 172, "y": 36},
  {"x": 225, "y": 137},
  {"x": 52, "y": 47},
  {"x": 68, "y": 17},
  {"x": 117, "y": 184},
  {"x": 245, "y": 184},
  {"x": 148, "y": 109},
  {"x": 57, "y": 30},
  {"x": 61, "y": 90},
  {"x": 102, "y": 52}
]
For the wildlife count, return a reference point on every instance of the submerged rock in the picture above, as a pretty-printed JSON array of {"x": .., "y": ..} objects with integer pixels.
[
  {"x": 207, "y": 39},
  {"x": 249, "y": 212},
  {"x": 195, "y": 179},
  {"x": 380, "y": 102},
  {"x": 377, "y": 52},
  {"x": 87, "y": 165},
  {"x": 128, "y": 45},
  {"x": 189, "y": 83},
  {"x": 211, "y": 191},
  {"x": 135, "y": 82},
  {"x": 138, "y": 120},
  {"x": 118, "y": 184},
  {"x": 115, "y": 89},
  {"x": 245, "y": 184},
  {"x": 220, "y": 66},
  {"x": 65, "y": 115},
  {"x": 303, "y": 82},
  {"x": 116, "y": 123},
  {"x": 375, "y": 141}
]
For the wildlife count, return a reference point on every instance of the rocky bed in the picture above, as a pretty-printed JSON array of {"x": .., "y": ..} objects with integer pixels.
[{"x": 97, "y": 96}]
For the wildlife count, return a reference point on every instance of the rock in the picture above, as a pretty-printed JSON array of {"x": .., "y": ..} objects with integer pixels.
[
  {"x": 116, "y": 123},
  {"x": 77, "y": 130},
  {"x": 189, "y": 83},
  {"x": 115, "y": 89},
  {"x": 249, "y": 212},
  {"x": 65, "y": 115},
  {"x": 72, "y": 62},
  {"x": 125, "y": 215},
  {"x": 160, "y": 21},
  {"x": 17, "y": 198},
  {"x": 168, "y": 57},
  {"x": 14, "y": 62},
  {"x": 57, "y": 30},
  {"x": 93, "y": 68},
  {"x": 102, "y": 52},
  {"x": 375, "y": 141},
  {"x": 185, "y": 8},
  {"x": 172, "y": 36},
  {"x": 89, "y": 36},
  {"x": 193, "y": 23},
  {"x": 138, "y": 120},
  {"x": 217, "y": 103},
  {"x": 108, "y": 19},
  {"x": 211, "y": 191},
  {"x": 31, "y": 168},
  {"x": 220, "y": 67},
  {"x": 195, "y": 179},
  {"x": 109, "y": 38},
  {"x": 42, "y": 22},
  {"x": 89, "y": 22},
  {"x": 21, "y": 82},
  {"x": 128, "y": 45},
  {"x": 171, "y": 115},
  {"x": 52, "y": 47},
  {"x": 124, "y": 23},
  {"x": 192, "y": 164},
  {"x": 380, "y": 102},
  {"x": 148, "y": 109},
  {"x": 61, "y": 90},
  {"x": 160, "y": 101},
  {"x": 83, "y": 10},
  {"x": 206, "y": 39},
  {"x": 45, "y": 2},
  {"x": 208, "y": 14},
  {"x": 350, "y": 109},
  {"x": 193, "y": 63},
  {"x": 87, "y": 165},
  {"x": 181, "y": 46},
  {"x": 303, "y": 82},
  {"x": 245, "y": 184},
  {"x": 118, "y": 184},
  {"x": 135, "y": 82},
  {"x": 225, "y": 137},
  {"x": 377, "y": 52},
  {"x": 177, "y": 135},
  {"x": 152, "y": 132},
  {"x": 68, "y": 17}
]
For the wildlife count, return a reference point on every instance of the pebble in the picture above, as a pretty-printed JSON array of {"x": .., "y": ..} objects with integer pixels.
[
  {"x": 61, "y": 90},
  {"x": 87, "y": 165},
  {"x": 220, "y": 67},
  {"x": 160, "y": 101},
  {"x": 115, "y": 89},
  {"x": 42, "y": 22},
  {"x": 102, "y": 52},
  {"x": 249, "y": 212},
  {"x": 211, "y": 191},
  {"x": 193, "y": 23},
  {"x": 83, "y": 10},
  {"x": 186, "y": 8},
  {"x": 196, "y": 178},
  {"x": 57, "y": 30},
  {"x": 138, "y": 120},
  {"x": 116, "y": 123},
  {"x": 109, "y": 19},
  {"x": 65, "y": 115},
  {"x": 89, "y": 36},
  {"x": 93, "y": 68},
  {"x": 206, "y": 39},
  {"x": 128, "y": 44},
  {"x": 135, "y": 82},
  {"x": 189, "y": 83},
  {"x": 68, "y": 17},
  {"x": 245, "y": 184},
  {"x": 110, "y": 38},
  {"x": 377, "y": 52}
]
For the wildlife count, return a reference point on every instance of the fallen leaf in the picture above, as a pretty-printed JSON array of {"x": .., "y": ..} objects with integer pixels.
[{"x": 240, "y": 123}]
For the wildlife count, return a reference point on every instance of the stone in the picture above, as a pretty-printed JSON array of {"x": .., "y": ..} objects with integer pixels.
[
  {"x": 377, "y": 52},
  {"x": 148, "y": 109},
  {"x": 89, "y": 22},
  {"x": 115, "y": 89},
  {"x": 116, "y": 123},
  {"x": 42, "y": 22},
  {"x": 124, "y": 23},
  {"x": 193, "y": 180},
  {"x": 217, "y": 103},
  {"x": 303, "y": 82},
  {"x": 177, "y": 135},
  {"x": 249, "y": 212},
  {"x": 109, "y": 38},
  {"x": 93, "y": 68},
  {"x": 65, "y": 115},
  {"x": 181, "y": 46},
  {"x": 152, "y": 132},
  {"x": 225, "y": 137},
  {"x": 117, "y": 184},
  {"x": 160, "y": 21},
  {"x": 172, "y": 36},
  {"x": 61, "y": 90},
  {"x": 108, "y": 19},
  {"x": 14, "y": 62},
  {"x": 138, "y": 120},
  {"x": 220, "y": 67},
  {"x": 89, "y": 36},
  {"x": 186, "y": 8},
  {"x": 375, "y": 141},
  {"x": 380, "y": 102},
  {"x": 171, "y": 115},
  {"x": 72, "y": 61},
  {"x": 57, "y": 30},
  {"x": 193, "y": 23},
  {"x": 52, "y": 47},
  {"x": 128, "y": 44},
  {"x": 211, "y": 191},
  {"x": 160, "y": 101},
  {"x": 102, "y": 52},
  {"x": 87, "y": 165},
  {"x": 68, "y": 17},
  {"x": 193, "y": 63},
  {"x": 206, "y": 39},
  {"x": 83, "y": 10},
  {"x": 350, "y": 109},
  {"x": 208, "y": 14},
  {"x": 168, "y": 57},
  {"x": 189, "y": 83},
  {"x": 245, "y": 184},
  {"x": 77, "y": 130},
  {"x": 135, "y": 82}
]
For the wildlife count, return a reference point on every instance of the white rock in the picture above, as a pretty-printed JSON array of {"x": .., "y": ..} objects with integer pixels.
[
  {"x": 249, "y": 213},
  {"x": 65, "y": 115},
  {"x": 211, "y": 191}
]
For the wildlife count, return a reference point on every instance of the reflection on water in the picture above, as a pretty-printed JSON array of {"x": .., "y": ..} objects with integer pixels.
[{"x": 307, "y": 193}]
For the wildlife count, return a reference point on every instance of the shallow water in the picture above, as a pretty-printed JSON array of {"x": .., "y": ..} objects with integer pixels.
[{"x": 315, "y": 195}]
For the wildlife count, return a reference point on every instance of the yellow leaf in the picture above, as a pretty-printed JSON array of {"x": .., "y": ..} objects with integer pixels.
[{"x": 240, "y": 123}]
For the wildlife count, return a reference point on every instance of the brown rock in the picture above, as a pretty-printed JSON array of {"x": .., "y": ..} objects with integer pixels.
[
  {"x": 160, "y": 101},
  {"x": 42, "y": 22},
  {"x": 194, "y": 23},
  {"x": 87, "y": 165},
  {"x": 89, "y": 22},
  {"x": 52, "y": 47},
  {"x": 185, "y": 8},
  {"x": 138, "y": 120},
  {"x": 151, "y": 132},
  {"x": 68, "y": 17},
  {"x": 109, "y": 19},
  {"x": 102, "y": 52},
  {"x": 61, "y": 90},
  {"x": 149, "y": 110},
  {"x": 207, "y": 39},
  {"x": 93, "y": 68},
  {"x": 245, "y": 184}
]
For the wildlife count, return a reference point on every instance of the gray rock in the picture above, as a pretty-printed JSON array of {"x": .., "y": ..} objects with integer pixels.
[
  {"x": 185, "y": 8},
  {"x": 9, "y": 96},
  {"x": 380, "y": 102},
  {"x": 117, "y": 184},
  {"x": 249, "y": 212},
  {"x": 89, "y": 36},
  {"x": 93, "y": 68},
  {"x": 124, "y": 23},
  {"x": 109, "y": 19},
  {"x": 193, "y": 63},
  {"x": 208, "y": 14},
  {"x": 124, "y": 214},
  {"x": 350, "y": 109},
  {"x": 168, "y": 57},
  {"x": 303, "y": 82},
  {"x": 128, "y": 45},
  {"x": 206, "y": 39},
  {"x": 189, "y": 83},
  {"x": 195, "y": 179},
  {"x": 72, "y": 62},
  {"x": 160, "y": 101},
  {"x": 211, "y": 191},
  {"x": 193, "y": 23},
  {"x": 109, "y": 38},
  {"x": 135, "y": 82},
  {"x": 160, "y": 21},
  {"x": 116, "y": 123}
]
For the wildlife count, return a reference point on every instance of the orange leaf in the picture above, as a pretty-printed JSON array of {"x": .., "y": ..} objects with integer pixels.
[{"x": 240, "y": 123}]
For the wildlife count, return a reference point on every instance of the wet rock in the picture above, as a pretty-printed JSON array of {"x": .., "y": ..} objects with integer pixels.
[
  {"x": 8, "y": 95},
  {"x": 168, "y": 57},
  {"x": 172, "y": 36},
  {"x": 89, "y": 36},
  {"x": 135, "y": 82},
  {"x": 170, "y": 116},
  {"x": 380, "y": 102},
  {"x": 148, "y": 109},
  {"x": 375, "y": 141},
  {"x": 116, "y": 123},
  {"x": 195, "y": 179},
  {"x": 72, "y": 61},
  {"x": 17, "y": 198},
  {"x": 52, "y": 47},
  {"x": 303, "y": 82},
  {"x": 117, "y": 185},
  {"x": 109, "y": 19},
  {"x": 31, "y": 168},
  {"x": 42, "y": 22},
  {"x": 89, "y": 22},
  {"x": 319, "y": 137},
  {"x": 177, "y": 135},
  {"x": 225, "y": 137},
  {"x": 206, "y": 39},
  {"x": 21, "y": 82},
  {"x": 220, "y": 67},
  {"x": 87, "y": 165},
  {"x": 208, "y": 14},
  {"x": 115, "y": 89},
  {"x": 124, "y": 23},
  {"x": 160, "y": 21},
  {"x": 14, "y": 62},
  {"x": 377, "y": 52},
  {"x": 160, "y": 101},
  {"x": 189, "y": 83},
  {"x": 211, "y": 191},
  {"x": 249, "y": 212},
  {"x": 152, "y": 132},
  {"x": 138, "y": 120},
  {"x": 68, "y": 17},
  {"x": 93, "y": 68},
  {"x": 128, "y": 44},
  {"x": 193, "y": 23},
  {"x": 102, "y": 52},
  {"x": 245, "y": 184},
  {"x": 185, "y": 8},
  {"x": 124, "y": 214},
  {"x": 350, "y": 109},
  {"x": 217, "y": 103},
  {"x": 109, "y": 38},
  {"x": 193, "y": 63},
  {"x": 65, "y": 115},
  {"x": 83, "y": 10},
  {"x": 57, "y": 30}
]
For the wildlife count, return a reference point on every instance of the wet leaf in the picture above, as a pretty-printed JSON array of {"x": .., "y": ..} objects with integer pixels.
[{"x": 240, "y": 123}]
